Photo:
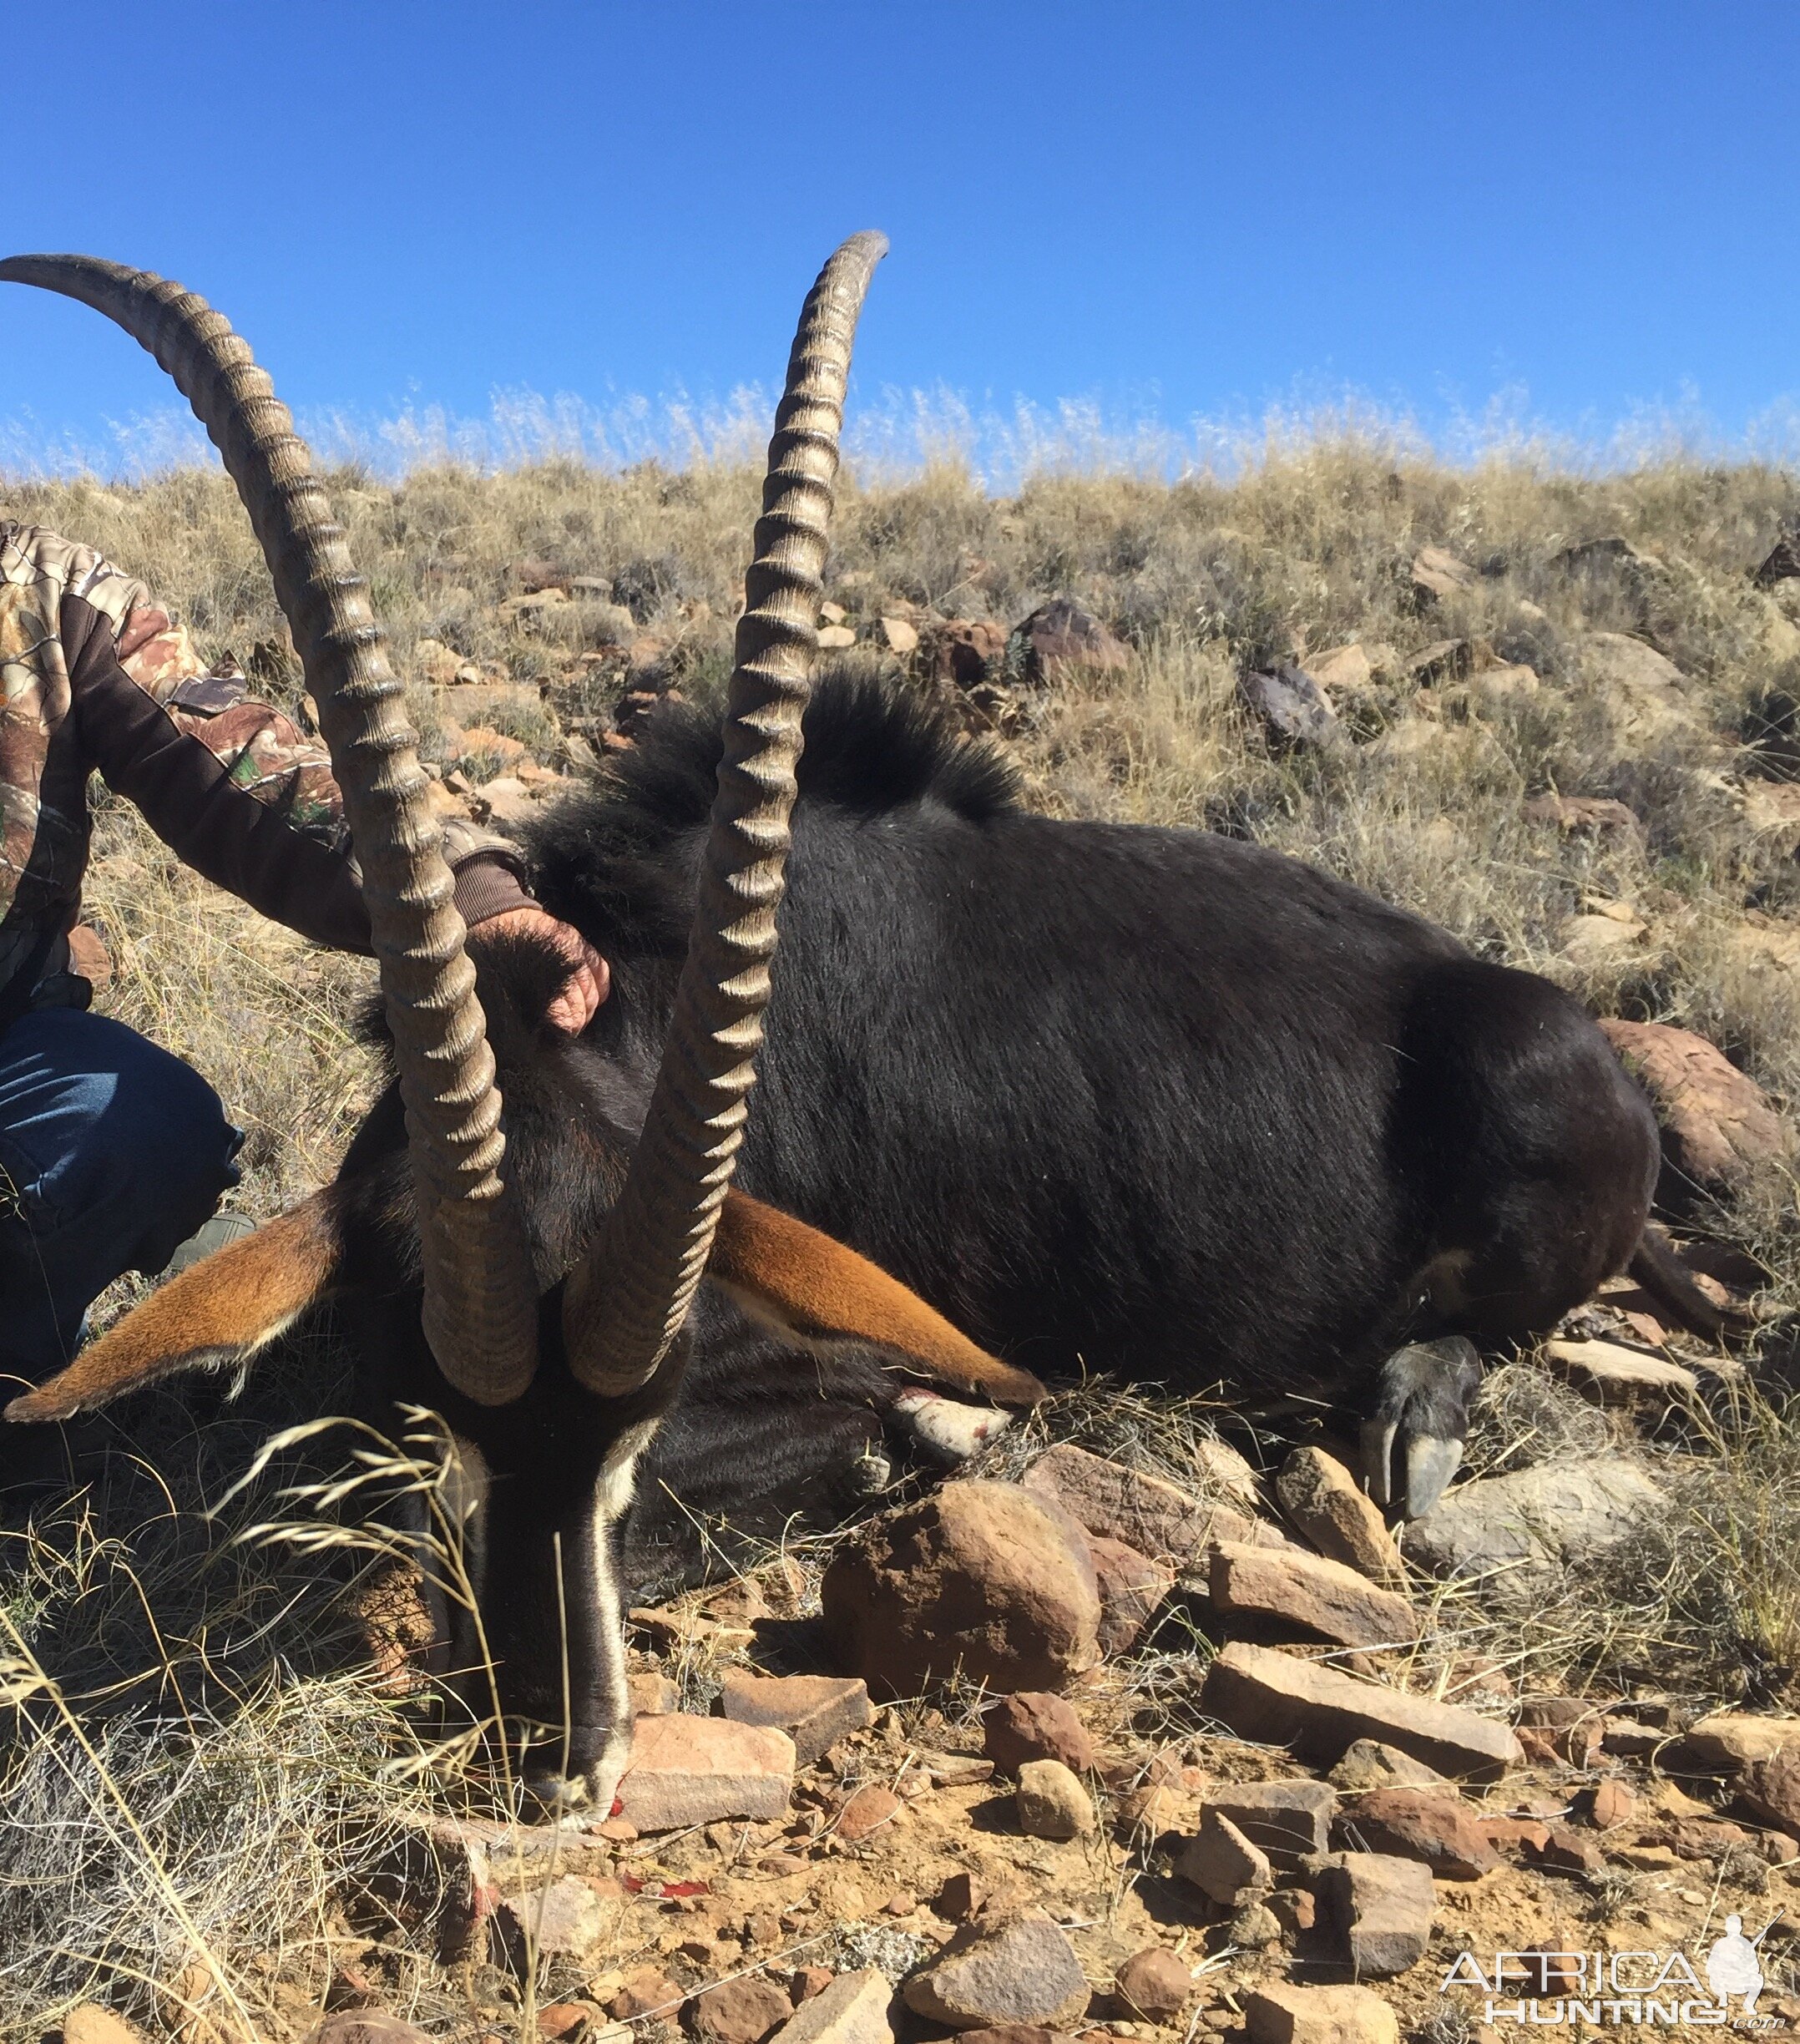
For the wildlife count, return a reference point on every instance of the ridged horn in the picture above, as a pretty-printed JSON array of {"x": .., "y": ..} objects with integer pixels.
[
  {"x": 480, "y": 1302},
  {"x": 627, "y": 1298}
]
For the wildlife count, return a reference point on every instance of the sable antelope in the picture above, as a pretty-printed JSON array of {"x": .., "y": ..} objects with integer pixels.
[
  {"x": 534, "y": 1275},
  {"x": 1154, "y": 1101}
]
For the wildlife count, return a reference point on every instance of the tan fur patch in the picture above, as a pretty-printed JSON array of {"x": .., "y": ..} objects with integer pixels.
[
  {"x": 817, "y": 1285},
  {"x": 221, "y": 1311}
]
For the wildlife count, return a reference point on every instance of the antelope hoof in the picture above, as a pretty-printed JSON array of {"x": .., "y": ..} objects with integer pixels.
[
  {"x": 948, "y": 1433},
  {"x": 1413, "y": 1443}
]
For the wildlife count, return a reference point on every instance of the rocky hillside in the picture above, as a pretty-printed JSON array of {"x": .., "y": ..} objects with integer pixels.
[{"x": 1216, "y": 1753}]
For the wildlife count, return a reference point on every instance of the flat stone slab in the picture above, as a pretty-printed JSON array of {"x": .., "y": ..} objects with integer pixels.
[
  {"x": 815, "y": 1711},
  {"x": 1329, "y": 1599},
  {"x": 1276, "y": 1698},
  {"x": 1158, "y": 1519},
  {"x": 687, "y": 1770},
  {"x": 1278, "y": 2012},
  {"x": 853, "y": 2009}
]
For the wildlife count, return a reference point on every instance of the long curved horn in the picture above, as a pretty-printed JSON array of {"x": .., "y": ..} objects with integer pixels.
[
  {"x": 480, "y": 1297},
  {"x": 627, "y": 1297}
]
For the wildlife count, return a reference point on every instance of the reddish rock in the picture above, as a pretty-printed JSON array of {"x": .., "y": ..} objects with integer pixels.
[
  {"x": 1263, "y": 1694},
  {"x": 964, "y": 649},
  {"x": 1565, "y": 1851},
  {"x": 1131, "y": 1587},
  {"x": 1325, "y": 1503},
  {"x": 868, "y": 1810},
  {"x": 688, "y": 1771},
  {"x": 1716, "y": 1122},
  {"x": 644, "y": 1990},
  {"x": 347, "y": 2026},
  {"x": 815, "y": 1711},
  {"x": 88, "y": 2023},
  {"x": 1530, "y": 1834},
  {"x": 1729, "y": 1741},
  {"x": 1417, "y": 1824},
  {"x": 1013, "y": 2033},
  {"x": 1612, "y": 1804},
  {"x": 852, "y": 2010},
  {"x": 804, "y": 1982},
  {"x": 1289, "y": 1820},
  {"x": 1383, "y": 1909},
  {"x": 1769, "y": 1790},
  {"x": 652, "y": 1696},
  {"x": 561, "y": 2019},
  {"x": 959, "y": 1898},
  {"x": 1582, "y": 812},
  {"x": 1158, "y": 1519},
  {"x": 1025, "y": 1971},
  {"x": 740, "y": 2011},
  {"x": 1060, "y": 639},
  {"x": 1154, "y": 1984},
  {"x": 564, "y": 1920},
  {"x": 1035, "y": 1725},
  {"x": 1368, "y": 1764},
  {"x": 1223, "y": 1864},
  {"x": 1280, "y": 2013},
  {"x": 1293, "y": 1908},
  {"x": 984, "y": 1577},
  {"x": 1329, "y": 1599}
]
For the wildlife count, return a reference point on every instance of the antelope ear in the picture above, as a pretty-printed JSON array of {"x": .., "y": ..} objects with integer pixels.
[
  {"x": 779, "y": 1268},
  {"x": 214, "y": 1316}
]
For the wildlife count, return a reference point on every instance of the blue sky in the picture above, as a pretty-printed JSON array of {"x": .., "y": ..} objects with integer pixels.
[{"x": 1586, "y": 211}]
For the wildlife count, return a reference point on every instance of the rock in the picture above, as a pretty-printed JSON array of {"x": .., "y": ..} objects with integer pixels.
[
  {"x": 652, "y": 1696},
  {"x": 1324, "y": 1502},
  {"x": 853, "y": 2009},
  {"x": 567, "y": 2019},
  {"x": 479, "y": 739},
  {"x": 961, "y": 1896},
  {"x": 815, "y": 1711},
  {"x": 1279, "y": 2013},
  {"x": 1324, "y": 1597},
  {"x": 1052, "y": 1802},
  {"x": 88, "y": 2023},
  {"x": 1263, "y": 1694},
  {"x": 1293, "y": 1908},
  {"x": 1383, "y": 1907},
  {"x": 1506, "y": 681},
  {"x": 962, "y": 649},
  {"x": 1613, "y": 1804},
  {"x": 1768, "y": 1790},
  {"x": 1223, "y": 1864},
  {"x": 1254, "y": 1925},
  {"x": 644, "y": 1990},
  {"x": 899, "y": 634},
  {"x": 1596, "y": 940},
  {"x": 347, "y": 2026},
  {"x": 1502, "y": 1832},
  {"x": 1346, "y": 669},
  {"x": 1368, "y": 1764},
  {"x": 1646, "y": 692},
  {"x": 563, "y": 1920},
  {"x": 1012, "y": 2033},
  {"x": 1288, "y": 1820},
  {"x": 1132, "y": 1587},
  {"x": 1729, "y": 1741},
  {"x": 1717, "y": 1124},
  {"x": 1626, "y": 1739},
  {"x": 687, "y": 1770},
  {"x": 832, "y": 612},
  {"x": 1517, "y": 1535},
  {"x": 1624, "y": 1379},
  {"x": 836, "y": 638},
  {"x": 1154, "y": 1984},
  {"x": 1293, "y": 708},
  {"x": 986, "y": 1577},
  {"x": 740, "y": 2011},
  {"x": 1156, "y": 1518},
  {"x": 1035, "y": 1725},
  {"x": 868, "y": 1809},
  {"x": 1020, "y": 1972},
  {"x": 1422, "y": 1823},
  {"x": 1436, "y": 574},
  {"x": 1060, "y": 639},
  {"x": 804, "y": 1982},
  {"x": 1568, "y": 1852},
  {"x": 1582, "y": 814}
]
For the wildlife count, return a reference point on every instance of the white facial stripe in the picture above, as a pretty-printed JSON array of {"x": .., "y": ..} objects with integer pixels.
[{"x": 612, "y": 1498}]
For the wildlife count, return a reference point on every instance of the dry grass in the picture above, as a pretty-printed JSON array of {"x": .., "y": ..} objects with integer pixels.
[{"x": 231, "y": 1784}]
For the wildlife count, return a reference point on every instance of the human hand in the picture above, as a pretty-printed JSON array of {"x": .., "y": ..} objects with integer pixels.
[{"x": 589, "y": 976}]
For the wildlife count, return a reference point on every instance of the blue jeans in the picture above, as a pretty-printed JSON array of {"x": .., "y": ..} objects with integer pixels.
[{"x": 112, "y": 1153}]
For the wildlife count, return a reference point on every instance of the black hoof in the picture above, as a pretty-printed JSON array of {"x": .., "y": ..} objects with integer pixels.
[{"x": 1412, "y": 1442}]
